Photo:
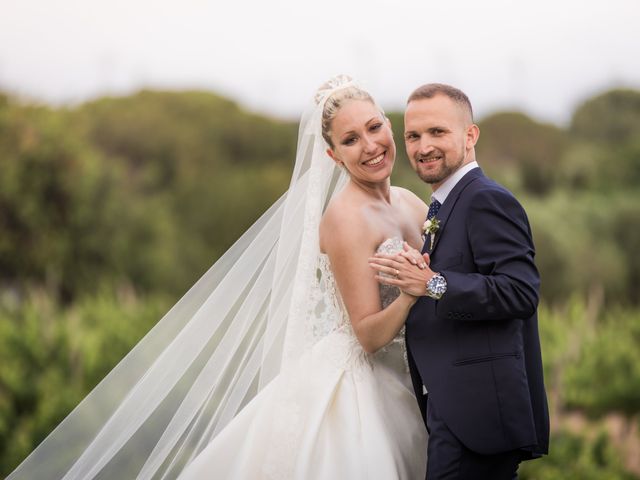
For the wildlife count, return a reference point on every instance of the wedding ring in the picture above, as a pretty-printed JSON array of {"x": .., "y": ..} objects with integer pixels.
[{"x": 397, "y": 272}]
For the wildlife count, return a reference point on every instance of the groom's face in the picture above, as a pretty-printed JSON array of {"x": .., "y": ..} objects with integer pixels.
[{"x": 437, "y": 138}]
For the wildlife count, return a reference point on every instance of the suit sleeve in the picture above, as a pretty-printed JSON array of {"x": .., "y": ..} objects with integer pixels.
[{"x": 506, "y": 282}]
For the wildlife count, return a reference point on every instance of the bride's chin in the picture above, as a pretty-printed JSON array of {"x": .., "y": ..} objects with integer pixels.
[
  {"x": 380, "y": 179},
  {"x": 379, "y": 171}
]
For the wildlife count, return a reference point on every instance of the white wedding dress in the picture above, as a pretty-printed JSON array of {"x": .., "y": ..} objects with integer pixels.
[{"x": 338, "y": 413}]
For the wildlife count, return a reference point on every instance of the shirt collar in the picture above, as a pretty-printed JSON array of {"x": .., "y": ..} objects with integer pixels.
[{"x": 444, "y": 190}]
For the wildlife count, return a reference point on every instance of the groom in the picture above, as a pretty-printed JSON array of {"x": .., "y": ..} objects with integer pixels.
[{"x": 472, "y": 336}]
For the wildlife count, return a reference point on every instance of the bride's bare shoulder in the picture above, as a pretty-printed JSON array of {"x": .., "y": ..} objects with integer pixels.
[
  {"x": 408, "y": 196},
  {"x": 343, "y": 224},
  {"x": 412, "y": 202}
]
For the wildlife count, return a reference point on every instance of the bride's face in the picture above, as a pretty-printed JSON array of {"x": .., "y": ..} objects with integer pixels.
[{"x": 363, "y": 141}]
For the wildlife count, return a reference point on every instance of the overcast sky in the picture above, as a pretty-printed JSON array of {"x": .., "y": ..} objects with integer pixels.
[{"x": 542, "y": 57}]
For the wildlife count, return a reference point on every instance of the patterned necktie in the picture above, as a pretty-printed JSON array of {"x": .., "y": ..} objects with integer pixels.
[{"x": 433, "y": 209}]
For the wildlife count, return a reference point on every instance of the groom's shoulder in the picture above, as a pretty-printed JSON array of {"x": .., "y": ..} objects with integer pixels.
[
  {"x": 486, "y": 184},
  {"x": 486, "y": 190}
]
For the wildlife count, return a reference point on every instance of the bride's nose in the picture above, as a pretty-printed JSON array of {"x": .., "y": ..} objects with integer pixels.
[{"x": 369, "y": 144}]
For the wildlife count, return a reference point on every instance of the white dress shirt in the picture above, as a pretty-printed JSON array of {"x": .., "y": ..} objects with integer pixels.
[{"x": 444, "y": 190}]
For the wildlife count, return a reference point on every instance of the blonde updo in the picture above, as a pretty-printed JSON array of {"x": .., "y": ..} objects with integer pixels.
[{"x": 337, "y": 99}]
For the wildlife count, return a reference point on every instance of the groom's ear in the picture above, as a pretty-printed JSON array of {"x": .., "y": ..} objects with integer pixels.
[{"x": 473, "y": 133}]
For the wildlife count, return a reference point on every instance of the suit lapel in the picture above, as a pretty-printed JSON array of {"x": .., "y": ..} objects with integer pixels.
[{"x": 449, "y": 204}]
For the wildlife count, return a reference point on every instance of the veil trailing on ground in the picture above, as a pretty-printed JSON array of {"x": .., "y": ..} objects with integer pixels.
[{"x": 242, "y": 323}]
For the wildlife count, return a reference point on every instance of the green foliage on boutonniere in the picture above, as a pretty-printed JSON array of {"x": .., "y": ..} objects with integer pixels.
[{"x": 430, "y": 227}]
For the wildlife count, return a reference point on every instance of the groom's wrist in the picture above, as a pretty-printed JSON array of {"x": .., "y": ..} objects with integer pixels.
[{"x": 436, "y": 286}]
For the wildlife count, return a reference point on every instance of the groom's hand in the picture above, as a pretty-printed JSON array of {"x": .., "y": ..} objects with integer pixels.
[{"x": 398, "y": 271}]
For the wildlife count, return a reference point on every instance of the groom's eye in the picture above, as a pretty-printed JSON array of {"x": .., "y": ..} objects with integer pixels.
[{"x": 410, "y": 136}]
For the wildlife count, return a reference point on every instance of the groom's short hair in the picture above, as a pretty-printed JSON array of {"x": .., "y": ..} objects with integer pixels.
[{"x": 430, "y": 90}]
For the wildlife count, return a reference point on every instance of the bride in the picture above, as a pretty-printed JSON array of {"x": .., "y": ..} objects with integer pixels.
[{"x": 287, "y": 359}]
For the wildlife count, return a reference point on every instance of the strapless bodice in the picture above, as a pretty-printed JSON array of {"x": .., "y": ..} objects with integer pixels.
[
  {"x": 388, "y": 293},
  {"x": 336, "y": 311}
]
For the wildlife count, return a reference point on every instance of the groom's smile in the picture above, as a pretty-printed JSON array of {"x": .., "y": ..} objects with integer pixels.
[
  {"x": 429, "y": 158},
  {"x": 436, "y": 138}
]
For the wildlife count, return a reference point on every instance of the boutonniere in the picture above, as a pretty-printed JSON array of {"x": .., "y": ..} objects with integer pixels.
[{"x": 430, "y": 227}]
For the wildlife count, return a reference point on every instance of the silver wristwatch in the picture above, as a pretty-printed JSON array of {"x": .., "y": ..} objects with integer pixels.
[{"x": 436, "y": 286}]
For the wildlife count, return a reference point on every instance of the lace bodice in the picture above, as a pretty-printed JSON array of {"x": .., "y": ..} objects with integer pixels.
[
  {"x": 388, "y": 293},
  {"x": 330, "y": 309}
]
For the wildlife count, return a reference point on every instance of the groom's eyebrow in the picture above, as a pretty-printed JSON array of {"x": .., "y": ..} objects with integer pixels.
[{"x": 431, "y": 130}]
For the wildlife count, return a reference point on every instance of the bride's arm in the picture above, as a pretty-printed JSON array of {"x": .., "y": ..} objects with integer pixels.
[{"x": 349, "y": 245}]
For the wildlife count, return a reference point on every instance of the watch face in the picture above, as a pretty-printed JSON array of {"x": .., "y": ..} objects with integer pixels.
[{"x": 437, "y": 284}]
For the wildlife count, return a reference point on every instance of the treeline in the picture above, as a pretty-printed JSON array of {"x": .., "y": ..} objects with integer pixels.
[
  {"x": 110, "y": 210},
  {"x": 149, "y": 190},
  {"x": 145, "y": 191}
]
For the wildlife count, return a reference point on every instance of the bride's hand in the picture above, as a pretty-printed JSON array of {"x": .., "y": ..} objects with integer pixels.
[
  {"x": 398, "y": 271},
  {"x": 414, "y": 256}
]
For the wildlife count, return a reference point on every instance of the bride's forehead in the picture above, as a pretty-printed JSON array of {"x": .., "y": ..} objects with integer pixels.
[{"x": 356, "y": 112}]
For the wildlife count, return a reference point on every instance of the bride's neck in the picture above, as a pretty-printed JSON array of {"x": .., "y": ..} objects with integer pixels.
[{"x": 380, "y": 191}]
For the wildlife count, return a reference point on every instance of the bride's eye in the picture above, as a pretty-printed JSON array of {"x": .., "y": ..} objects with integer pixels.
[
  {"x": 349, "y": 141},
  {"x": 375, "y": 127}
]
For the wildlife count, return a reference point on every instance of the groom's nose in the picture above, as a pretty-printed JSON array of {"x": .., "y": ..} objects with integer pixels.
[{"x": 425, "y": 147}]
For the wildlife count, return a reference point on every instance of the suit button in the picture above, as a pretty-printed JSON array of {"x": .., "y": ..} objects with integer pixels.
[
  {"x": 450, "y": 315},
  {"x": 468, "y": 316}
]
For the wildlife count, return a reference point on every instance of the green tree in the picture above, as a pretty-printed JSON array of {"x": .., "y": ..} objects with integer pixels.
[
  {"x": 610, "y": 125},
  {"x": 520, "y": 152}
]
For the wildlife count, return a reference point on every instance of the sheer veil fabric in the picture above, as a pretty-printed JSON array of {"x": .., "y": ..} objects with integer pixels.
[{"x": 243, "y": 322}]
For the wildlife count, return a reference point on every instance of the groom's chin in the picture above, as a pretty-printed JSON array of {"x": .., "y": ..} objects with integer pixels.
[{"x": 428, "y": 178}]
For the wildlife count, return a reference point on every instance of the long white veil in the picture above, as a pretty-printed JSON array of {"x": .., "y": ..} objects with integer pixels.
[{"x": 243, "y": 322}]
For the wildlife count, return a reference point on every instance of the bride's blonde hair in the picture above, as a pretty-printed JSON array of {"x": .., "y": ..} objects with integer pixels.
[{"x": 337, "y": 99}]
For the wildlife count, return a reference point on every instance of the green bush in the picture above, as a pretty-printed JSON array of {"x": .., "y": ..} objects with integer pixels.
[
  {"x": 606, "y": 374},
  {"x": 576, "y": 458},
  {"x": 52, "y": 356}
]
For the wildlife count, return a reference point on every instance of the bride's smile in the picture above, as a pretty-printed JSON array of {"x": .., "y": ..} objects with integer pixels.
[
  {"x": 362, "y": 142},
  {"x": 376, "y": 161}
]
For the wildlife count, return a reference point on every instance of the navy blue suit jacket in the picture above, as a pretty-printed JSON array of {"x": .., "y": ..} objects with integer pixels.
[{"x": 477, "y": 349}]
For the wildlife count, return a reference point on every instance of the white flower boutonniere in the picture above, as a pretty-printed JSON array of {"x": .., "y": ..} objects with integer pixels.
[{"x": 430, "y": 227}]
